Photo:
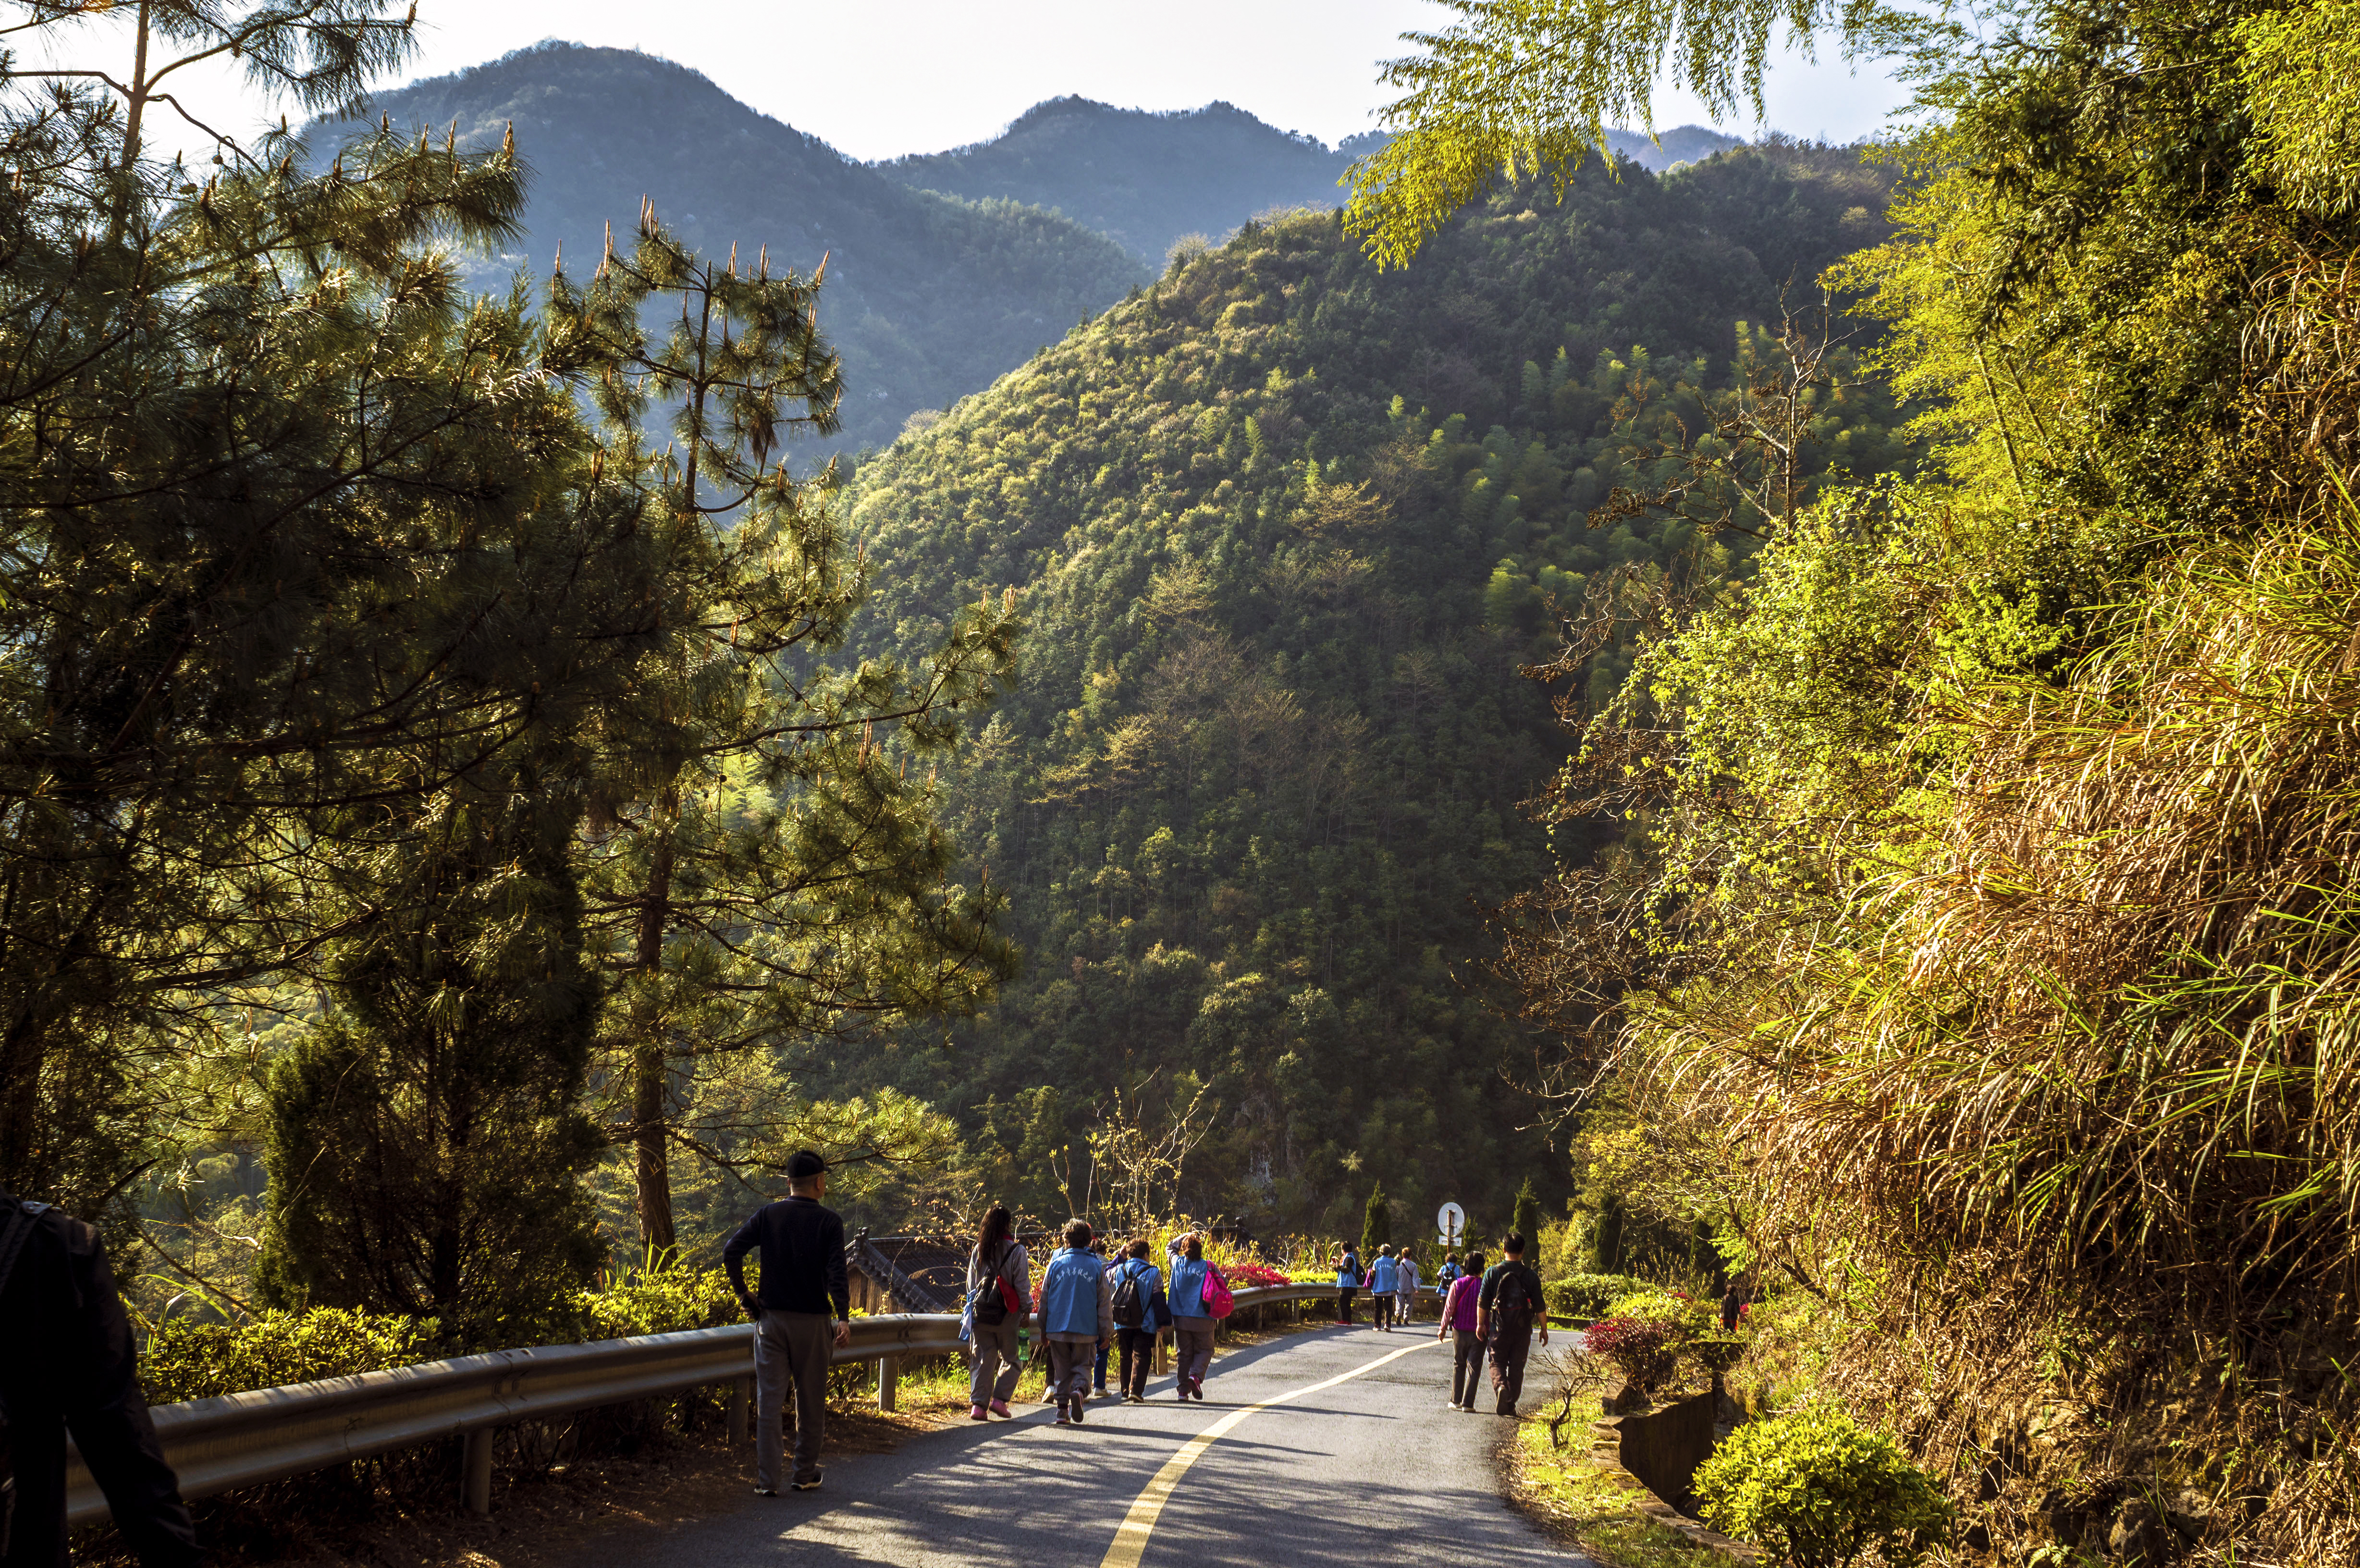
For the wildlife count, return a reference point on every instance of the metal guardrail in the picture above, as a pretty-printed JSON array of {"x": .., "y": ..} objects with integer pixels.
[{"x": 270, "y": 1434}]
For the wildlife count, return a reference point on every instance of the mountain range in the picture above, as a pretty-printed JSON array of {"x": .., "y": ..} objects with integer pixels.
[{"x": 944, "y": 271}]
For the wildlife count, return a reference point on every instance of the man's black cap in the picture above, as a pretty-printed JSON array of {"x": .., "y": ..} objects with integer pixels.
[{"x": 802, "y": 1165}]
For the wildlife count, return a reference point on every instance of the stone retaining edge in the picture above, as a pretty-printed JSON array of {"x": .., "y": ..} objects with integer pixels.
[{"x": 1606, "y": 1453}]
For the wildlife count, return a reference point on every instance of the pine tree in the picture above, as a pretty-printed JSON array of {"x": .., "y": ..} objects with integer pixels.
[
  {"x": 272, "y": 530},
  {"x": 766, "y": 870},
  {"x": 1376, "y": 1224},
  {"x": 1529, "y": 1220},
  {"x": 427, "y": 1137}
]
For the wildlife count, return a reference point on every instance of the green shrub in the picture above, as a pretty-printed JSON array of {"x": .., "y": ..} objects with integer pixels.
[
  {"x": 1590, "y": 1295},
  {"x": 1815, "y": 1490},
  {"x": 197, "y": 1361},
  {"x": 665, "y": 1298},
  {"x": 1692, "y": 1318}
]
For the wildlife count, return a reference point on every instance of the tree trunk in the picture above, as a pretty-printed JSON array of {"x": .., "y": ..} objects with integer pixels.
[{"x": 651, "y": 1164}]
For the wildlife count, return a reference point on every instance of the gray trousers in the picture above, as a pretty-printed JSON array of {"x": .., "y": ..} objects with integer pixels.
[
  {"x": 1070, "y": 1361},
  {"x": 1194, "y": 1338},
  {"x": 789, "y": 1348},
  {"x": 1466, "y": 1367},
  {"x": 995, "y": 1349}
]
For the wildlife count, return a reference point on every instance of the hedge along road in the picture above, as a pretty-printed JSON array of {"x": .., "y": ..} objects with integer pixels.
[{"x": 1326, "y": 1449}]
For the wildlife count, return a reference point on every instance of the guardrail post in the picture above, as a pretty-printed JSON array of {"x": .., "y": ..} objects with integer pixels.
[
  {"x": 889, "y": 1381},
  {"x": 476, "y": 1472},
  {"x": 742, "y": 1396}
]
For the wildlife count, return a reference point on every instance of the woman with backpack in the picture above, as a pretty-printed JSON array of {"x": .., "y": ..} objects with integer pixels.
[
  {"x": 999, "y": 1285},
  {"x": 1348, "y": 1283},
  {"x": 1192, "y": 1317},
  {"x": 1141, "y": 1312}
]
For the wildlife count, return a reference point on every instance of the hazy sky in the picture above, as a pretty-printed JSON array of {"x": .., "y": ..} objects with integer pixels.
[{"x": 883, "y": 77}]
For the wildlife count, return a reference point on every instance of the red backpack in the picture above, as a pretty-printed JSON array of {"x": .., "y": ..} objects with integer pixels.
[{"x": 1218, "y": 1302}]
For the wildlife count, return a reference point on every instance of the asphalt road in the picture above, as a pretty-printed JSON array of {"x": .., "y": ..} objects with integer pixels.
[{"x": 1371, "y": 1469}]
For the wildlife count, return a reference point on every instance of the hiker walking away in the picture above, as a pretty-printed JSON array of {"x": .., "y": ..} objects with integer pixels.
[
  {"x": 1510, "y": 1304},
  {"x": 1405, "y": 1278},
  {"x": 67, "y": 1363},
  {"x": 1077, "y": 1316},
  {"x": 1460, "y": 1326},
  {"x": 1384, "y": 1280},
  {"x": 999, "y": 1274},
  {"x": 1105, "y": 1347},
  {"x": 803, "y": 1308},
  {"x": 1192, "y": 1319},
  {"x": 1733, "y": 1305},
  {"x": 1141, "y": 1310},
  {"x": 1348, "y": 1284},
  {"x": 1449, "y": 1273}
]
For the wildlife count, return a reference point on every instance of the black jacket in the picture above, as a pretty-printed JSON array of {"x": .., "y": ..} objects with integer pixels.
[
  {"x": 801, "y": 1243},
  {"x": 67, "y": 1363}
]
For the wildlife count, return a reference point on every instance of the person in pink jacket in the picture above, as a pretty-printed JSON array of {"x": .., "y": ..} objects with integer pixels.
[{"x": 1459, "y": 1319}]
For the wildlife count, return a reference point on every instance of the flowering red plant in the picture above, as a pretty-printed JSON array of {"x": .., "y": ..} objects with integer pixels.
[
  {"x": 1644, "y": 1350},
  {"x": 1253, "y": 1274}
]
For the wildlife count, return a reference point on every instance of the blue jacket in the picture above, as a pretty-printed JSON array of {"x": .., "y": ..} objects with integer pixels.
[
  {"x": 1150, "y": 1293},
  {"x": 1070, "y": 1292},
  {"x": 1348, "y": 1272},
  {"x": 1188, "y": 1288},
  {"x": 1381, "y": 1276}
]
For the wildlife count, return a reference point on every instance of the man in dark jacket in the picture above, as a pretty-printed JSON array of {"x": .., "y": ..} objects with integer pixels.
[
  {"x": 1511, "y": 1302},
  {"x": 67, "y": 1363},
  {"x": 801, "y": 1243}
]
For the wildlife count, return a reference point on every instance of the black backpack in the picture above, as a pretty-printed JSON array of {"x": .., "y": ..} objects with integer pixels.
[
  {"x": 1512, "y": 1307},
  {"x": 1129, "y": 1306},
  {"x": 992, "y": 1292}
]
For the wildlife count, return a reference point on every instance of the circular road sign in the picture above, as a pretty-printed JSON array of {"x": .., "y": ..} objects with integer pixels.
[{"x": 1451, "y": 1221}]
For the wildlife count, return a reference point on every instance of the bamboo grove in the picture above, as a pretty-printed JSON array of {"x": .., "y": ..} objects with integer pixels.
[{"x": 1977, "y": 948}]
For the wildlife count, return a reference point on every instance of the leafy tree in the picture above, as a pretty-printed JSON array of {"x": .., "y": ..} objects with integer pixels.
[
  {"x": 1897, "y": 858},
  {"x": 1606, "y": 1237},
  {"x": 1517, "y": 88}
]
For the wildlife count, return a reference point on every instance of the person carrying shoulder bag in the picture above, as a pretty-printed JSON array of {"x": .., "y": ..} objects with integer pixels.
[{"x": 999, "y": 1284}]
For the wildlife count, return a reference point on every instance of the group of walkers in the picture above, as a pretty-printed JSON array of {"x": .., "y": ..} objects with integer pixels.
[
  {"x": 1492, "y": 1313},
  {"x": 1392, "y": 1283},
  {"x": 1094, "y": 1314},
  {"x": 1086, "y": 1302}
]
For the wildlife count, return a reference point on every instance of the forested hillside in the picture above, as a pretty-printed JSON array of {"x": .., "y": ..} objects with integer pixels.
[
  {"x": 1283, "y": 529},
  {"x": 1145, "y": 180},
  {"x": 927, "y": 298}
]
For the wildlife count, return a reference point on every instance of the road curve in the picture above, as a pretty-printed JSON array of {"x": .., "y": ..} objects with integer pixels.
[{"x": 1369, "y": 1469}]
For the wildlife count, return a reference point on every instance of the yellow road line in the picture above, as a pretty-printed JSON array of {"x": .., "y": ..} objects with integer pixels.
[{"x": 1130, "y": 1540}]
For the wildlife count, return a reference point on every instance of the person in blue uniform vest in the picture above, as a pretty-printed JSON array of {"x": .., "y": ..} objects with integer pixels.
[
  {"x": 1076, "y": 1318},
  {"x": 1384, "y": 1280}
]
